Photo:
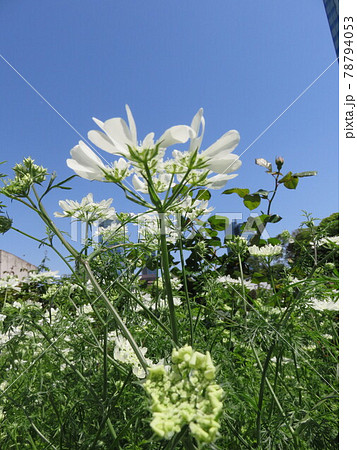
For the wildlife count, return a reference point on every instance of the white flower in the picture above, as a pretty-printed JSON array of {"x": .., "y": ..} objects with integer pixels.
[
  {"x": 125, "y": 354},
  {"x": 41, "y": 276},
  {"x": 264, "y": 163},
  {"x": 147, "y": 300},
  {"x": 118, "y": 136},
  {"x": 113, "y": 232},
  {"x": 227, "y": 279},
  {"x": 86, "y": 163},
  {"x": 334, "y": 240},
  {"x": 268, "y": 250},
  {"x": 2, "y": 317},
  {"x": 218, "y": 157},
  {"x": 10, "y": 283},
  {"x": 191, "y": 208},
  {"x": 87, "y": 210},
  {"x": 324, "y": 305}
]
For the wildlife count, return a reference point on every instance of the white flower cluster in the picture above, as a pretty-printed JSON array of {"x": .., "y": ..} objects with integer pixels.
[
  {"x": 324, "y": 305},
  {"x": 147, "y": 158},
  {"x": 124, "y": 353},
  {"x": 334, "y": 240},
  {"x": 41, "y": 276},
  {"x": 14, "y": 283},
  {"x": 10, "y": 282},
  {"x": 150, "y": 303},
  {"x": 265, "y": 251},
  {"x": 247, "y": 283},
  {"x": 87, "y": 210},
  {"x": 113, "y": 232}
]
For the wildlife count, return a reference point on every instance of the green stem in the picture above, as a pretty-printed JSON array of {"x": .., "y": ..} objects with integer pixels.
[
  {"x": 295, "y": 443},
  {"x": 124, "y": 330},
  {"x": 274, "y": 194},
  {"x": 167, "y": 278},
  {"x": 105, "y": 364},
  {"x": 243, "y": 288},
  {"x": 186, "y": 289}
]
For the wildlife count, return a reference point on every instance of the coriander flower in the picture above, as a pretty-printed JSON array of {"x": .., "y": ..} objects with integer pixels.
[
  {"x": 265, "y": 251},
  {"x": 185, "y": 394},
  {"x": 87, "y": 210}
]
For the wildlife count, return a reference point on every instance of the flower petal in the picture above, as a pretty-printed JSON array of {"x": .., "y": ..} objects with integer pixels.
[
  {"x": 139, "y": 185},
  {"x": 225, "y": 164},
  {"x": 118, "y": 131},
  {"x": 85, "y": 162},
  {"x": 102, "y": 141},
  {"x": 225, "y": 144},
  {"x": 131, "y": 122},
  {"x": 219, "y": 181},
  {"x": 176, "y": 135},
  {"x": 148, "y": 141}
]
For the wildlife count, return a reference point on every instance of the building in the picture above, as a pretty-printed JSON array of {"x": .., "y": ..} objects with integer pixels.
[
  {"x": 13, "y": 265},
  {"x": 332, "y": 8}
]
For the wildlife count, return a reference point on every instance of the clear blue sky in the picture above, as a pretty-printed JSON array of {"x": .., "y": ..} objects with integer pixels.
[{"x": 243, "y": 62}]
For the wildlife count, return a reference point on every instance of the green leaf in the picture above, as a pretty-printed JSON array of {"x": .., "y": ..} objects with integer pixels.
[
  {"x": 263, "y": 193},
  {"x": 214, "y": 242},
  {"x": 273, "y": 218},
  {"x": 241, "y": 192},
  {"x": 310, "y": 173},
  {"x": 290, "y": 181},
  {"x": 203, "y": 194},
  {"x": 211, "y": 233},
  {"x": 219, "y": 223},
  {"x": 252, "y": 201},
  {"x": 258, "y": 277},
  {"x": 274, "y": 241}
]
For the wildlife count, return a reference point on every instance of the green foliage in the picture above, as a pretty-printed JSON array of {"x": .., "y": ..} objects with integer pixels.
[{"x": 74, "y": 350}]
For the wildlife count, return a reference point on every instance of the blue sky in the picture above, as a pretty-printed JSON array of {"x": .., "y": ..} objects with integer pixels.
[{"x": 243, "y": 62}]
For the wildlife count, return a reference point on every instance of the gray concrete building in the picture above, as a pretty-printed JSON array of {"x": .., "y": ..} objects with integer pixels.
[{"x": 13, "y": 265}]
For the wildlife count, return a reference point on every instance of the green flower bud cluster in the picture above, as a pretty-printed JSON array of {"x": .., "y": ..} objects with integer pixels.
[
  {"x": 238, "y": 245},
  {"x": 185, "y": 395},
  {"x": 26, "y": 174},
  {"x": 5, "y": 224}
]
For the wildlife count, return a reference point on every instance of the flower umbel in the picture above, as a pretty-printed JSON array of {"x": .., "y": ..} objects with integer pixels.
[
  {"x": 185, "y": 395},
  {"x": 87, "y": 210},
  {"x": 147, "y": 158},
  {"x": 265, "y": 251}
]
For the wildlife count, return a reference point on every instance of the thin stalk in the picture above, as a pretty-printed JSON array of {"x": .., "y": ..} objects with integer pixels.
[
  {"x": 105, "y": 364},
  {"x": 274, "y": 194},
  {"x": 167, "y": 277},
  {"x": 243, "y": 289},
  {"x": 45, "y": 217},
  {"x": 264, "y": 370},
  {"x": 123, "y": 328},
  {"x": 186, "y": 290},
  {"x": 276, "y": 401}
]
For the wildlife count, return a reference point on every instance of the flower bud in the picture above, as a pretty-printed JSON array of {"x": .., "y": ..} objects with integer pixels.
[{"x": 279, "y": 161}]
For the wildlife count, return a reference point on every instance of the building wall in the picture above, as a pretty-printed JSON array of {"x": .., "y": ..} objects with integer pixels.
[
  {"x": 332, "y": 13},
  {"x": 11, "y": 264}
]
